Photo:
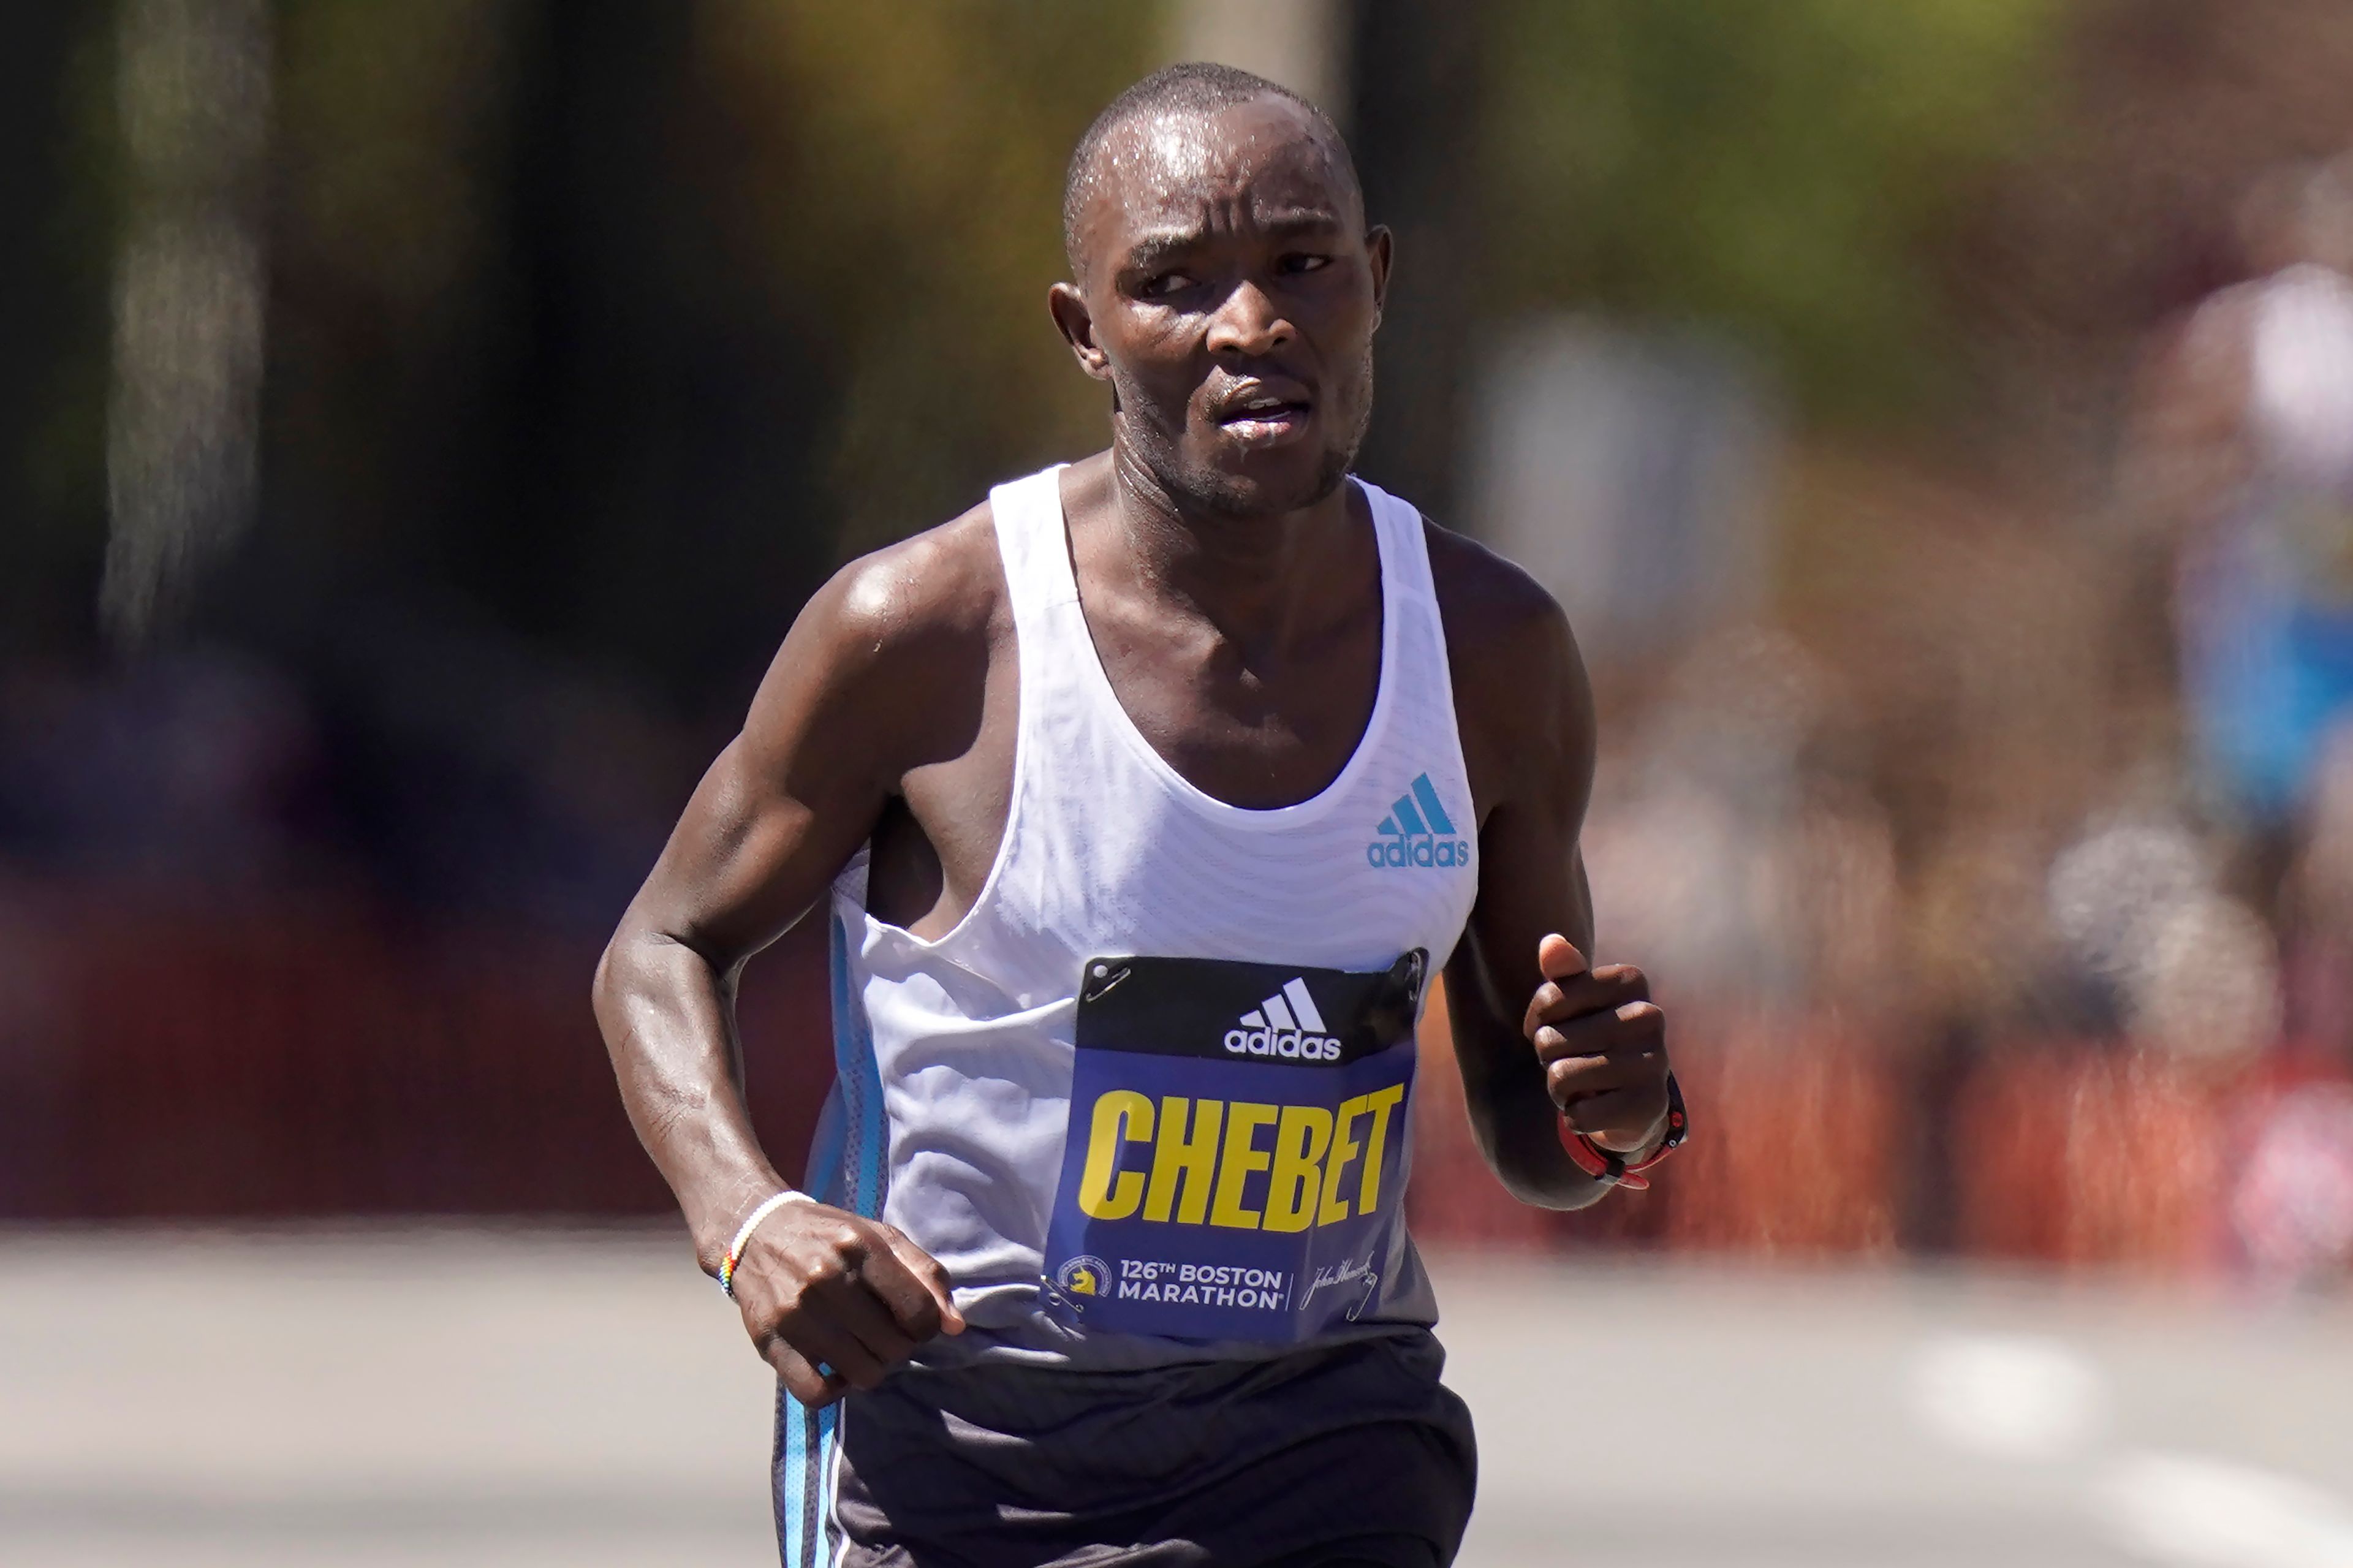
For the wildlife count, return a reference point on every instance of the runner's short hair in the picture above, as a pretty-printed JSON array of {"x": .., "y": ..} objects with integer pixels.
[{"x": 1196, "y": 87}]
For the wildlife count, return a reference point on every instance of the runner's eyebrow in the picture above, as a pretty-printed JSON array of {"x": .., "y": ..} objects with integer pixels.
[
  {"x": 1159, "y": 248},
  {"x": 1292, "y": 222}
]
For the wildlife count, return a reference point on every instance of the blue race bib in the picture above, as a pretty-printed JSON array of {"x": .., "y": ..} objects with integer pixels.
[{"x": 1236, "y": 1162}]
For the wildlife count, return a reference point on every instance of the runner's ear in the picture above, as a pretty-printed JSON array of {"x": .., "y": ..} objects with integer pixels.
[{"x": 1076, "y": 322}]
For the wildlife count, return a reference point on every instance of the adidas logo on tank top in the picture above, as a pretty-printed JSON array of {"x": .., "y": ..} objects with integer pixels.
[
  {"x": 1285, "y": 1025},
  {"x": 1416, "y": 832}
]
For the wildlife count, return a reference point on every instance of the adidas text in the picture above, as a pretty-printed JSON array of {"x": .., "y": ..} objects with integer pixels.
[
  {"x": 1287, "y": 1025},
  {"x": 1423, "y": 851}
]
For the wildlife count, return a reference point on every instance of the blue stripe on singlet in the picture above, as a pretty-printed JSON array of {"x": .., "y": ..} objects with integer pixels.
[
  {"x": 846, "y": 1169},
  {"x": 825, "y": 1536},
  {"x": 791, "y": 1480},
  {"x": 858, "y": 1081}
]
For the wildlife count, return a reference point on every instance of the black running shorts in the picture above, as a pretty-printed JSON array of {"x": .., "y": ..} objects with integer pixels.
[{"x": 1351, "y": 1453}]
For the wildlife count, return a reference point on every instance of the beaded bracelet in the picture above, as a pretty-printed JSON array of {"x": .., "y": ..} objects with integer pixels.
[{"x": 744, "y": 1234}]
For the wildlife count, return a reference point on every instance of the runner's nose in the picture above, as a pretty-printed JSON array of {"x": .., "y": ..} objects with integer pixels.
[{"x": 1248, "y": 324}]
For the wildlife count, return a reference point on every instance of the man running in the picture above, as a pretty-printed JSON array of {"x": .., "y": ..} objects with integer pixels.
[{"x": 1147, "y": 795}]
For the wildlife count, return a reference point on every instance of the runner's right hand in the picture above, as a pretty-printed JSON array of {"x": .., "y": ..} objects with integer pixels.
[{"x": 820, "y": 1287}]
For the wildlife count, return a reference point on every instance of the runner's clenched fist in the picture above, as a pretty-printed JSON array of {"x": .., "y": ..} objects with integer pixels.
[
  {"x": 834, "y": 1301},
  {"x": 1603, "y": 1044}
]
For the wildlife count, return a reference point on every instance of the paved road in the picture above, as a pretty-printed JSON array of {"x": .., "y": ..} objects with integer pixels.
[{"x": 521, "y": 1399}]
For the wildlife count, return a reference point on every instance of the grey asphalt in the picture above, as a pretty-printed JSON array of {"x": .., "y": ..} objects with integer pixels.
[{"x": 513, "y": 1398}]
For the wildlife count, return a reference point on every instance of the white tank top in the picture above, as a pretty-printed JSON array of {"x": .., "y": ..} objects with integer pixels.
[{"x": 954, "y": 1058}]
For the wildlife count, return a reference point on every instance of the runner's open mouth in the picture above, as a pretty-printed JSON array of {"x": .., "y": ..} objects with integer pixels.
[{"x": 1266, "y": 410}]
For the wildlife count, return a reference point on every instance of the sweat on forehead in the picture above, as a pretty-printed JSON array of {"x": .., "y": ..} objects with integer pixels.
[{"x": 1144, "y": 131}]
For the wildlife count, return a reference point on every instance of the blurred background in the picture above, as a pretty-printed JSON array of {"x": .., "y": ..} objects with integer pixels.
[{"x": 419, "y": 424}]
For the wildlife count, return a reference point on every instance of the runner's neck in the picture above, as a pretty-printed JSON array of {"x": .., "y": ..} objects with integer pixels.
[{"x": 1258, "y": 580}]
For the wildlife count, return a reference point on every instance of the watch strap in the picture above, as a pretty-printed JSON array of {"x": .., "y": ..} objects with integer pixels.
[{"x": 1608, "y": 1165}]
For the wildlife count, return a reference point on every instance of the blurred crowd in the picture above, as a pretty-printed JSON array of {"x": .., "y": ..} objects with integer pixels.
[
  {"x": 2195, "y": 908},
  {"x": 496, "y": 791}
]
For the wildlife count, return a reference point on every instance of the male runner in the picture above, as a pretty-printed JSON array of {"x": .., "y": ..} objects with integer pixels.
[{"x": 1148, "y": 795}]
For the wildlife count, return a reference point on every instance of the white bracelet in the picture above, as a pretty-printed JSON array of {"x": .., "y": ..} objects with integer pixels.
[{"x": 744, "y": 1234}]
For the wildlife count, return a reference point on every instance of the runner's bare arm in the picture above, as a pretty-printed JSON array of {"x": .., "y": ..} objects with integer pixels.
[
  {"x": 838, "y": 722},
  {"x": 1537, "y": 1034}
]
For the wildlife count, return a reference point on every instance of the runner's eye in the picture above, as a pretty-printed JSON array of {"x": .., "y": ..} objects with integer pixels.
[
  {"x": 1304, "y": 262},
  {"x": 1160, "y": 285}
]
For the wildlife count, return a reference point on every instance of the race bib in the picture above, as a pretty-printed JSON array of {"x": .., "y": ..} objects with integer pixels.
[{"x": 1235, "y": 1167}]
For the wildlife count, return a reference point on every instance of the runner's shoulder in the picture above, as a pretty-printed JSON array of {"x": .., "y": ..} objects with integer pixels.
[
  {"x": 934, "y": 598},
  {"x": 1502, "y": 625},
  {"x": 892, "y": 652},
  {"x": 1522, "y": 704}
]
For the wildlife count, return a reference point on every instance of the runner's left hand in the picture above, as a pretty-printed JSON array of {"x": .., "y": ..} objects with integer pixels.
[{"x": 1603, "y": 1044}]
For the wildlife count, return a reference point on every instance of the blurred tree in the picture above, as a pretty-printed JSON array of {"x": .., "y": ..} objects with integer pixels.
[
  {"x": 55, "y": 208},
  {"x": 622, "y": 321},
  {"x": 1780, "y": 169},
  {"x": 901, "y": 196},
  {"x": 1417, "y": 78},
  {"x": 513, "y": 371}
]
